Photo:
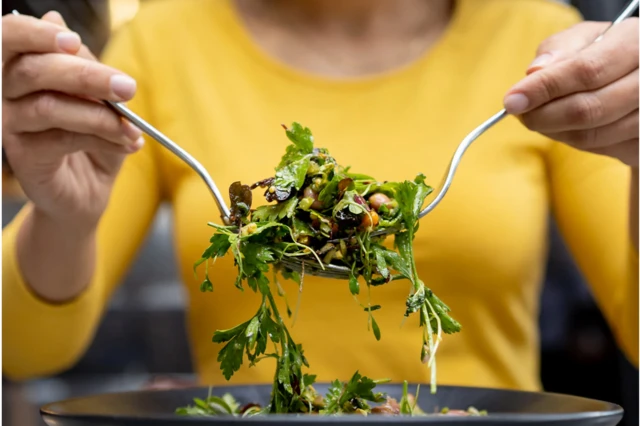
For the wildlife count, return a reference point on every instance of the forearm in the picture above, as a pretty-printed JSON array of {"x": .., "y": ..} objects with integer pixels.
[
  {"x": 633, "y": 208},
  {"x": 57, "y": 260}
]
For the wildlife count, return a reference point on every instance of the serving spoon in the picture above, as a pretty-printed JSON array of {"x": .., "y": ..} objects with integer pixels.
[{"x": 310, "y": 266}]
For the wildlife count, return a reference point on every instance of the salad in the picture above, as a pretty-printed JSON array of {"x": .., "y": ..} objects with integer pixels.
[
  {"x": 353, "y": 397},
  {"x": 320, "y": 212}
]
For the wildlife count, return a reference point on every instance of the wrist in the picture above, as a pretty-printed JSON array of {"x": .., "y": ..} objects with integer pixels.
[{"x": 76, "y": 226}]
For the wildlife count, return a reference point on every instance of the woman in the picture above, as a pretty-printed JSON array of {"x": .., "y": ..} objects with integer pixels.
[{"x": 390, "y": 88}]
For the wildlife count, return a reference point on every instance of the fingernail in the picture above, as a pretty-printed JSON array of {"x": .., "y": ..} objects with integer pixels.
[
  {"x": 516, "y": 104},
  {"x": 54, "y": 16},
  {"x": 132, "y": 131},
  {"x": 137, "y": 146},
  {"x": 541, "y": 60},
  {"x": 68, "y": 41},
  {"x": 123, "y": 86}
]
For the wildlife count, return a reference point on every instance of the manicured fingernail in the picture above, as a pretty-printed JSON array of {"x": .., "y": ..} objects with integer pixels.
[
  {"x": 137, "y": 146},
  {"x": 516, "y": 104},
  {"x": 123, "y": 86},
  {"x": 131, "y": 131},
  {"x": 68, "y": 41}
]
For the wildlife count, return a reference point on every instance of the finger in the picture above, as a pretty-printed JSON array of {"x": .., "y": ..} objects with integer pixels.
[
  {"x": 627, "y": 152},
  {"x": 622, "y": 130},
  {"x": 26, "y": 34},
  {"x": 62, "y": 142},
  {"x": 55, "y": 17},
  {"x": 48, "y": 110},
  {"x": 67, "y": 74},
  {"x": 592, "y": 68},
  {"x": 586, "y": 110},
  {"x": 565, "y": 44}
]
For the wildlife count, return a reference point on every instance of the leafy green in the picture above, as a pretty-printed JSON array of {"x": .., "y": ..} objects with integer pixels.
[
  {"x": 292, "y": 175},
  {"x": 376, "y": 329},
  {"x": 352, "y": 395},
  {"x": 354, "y": 287},
  {"x": 275, "y": 212},
  {"x": 337, "y": 230},
  {"x": 302, "y": 139}
]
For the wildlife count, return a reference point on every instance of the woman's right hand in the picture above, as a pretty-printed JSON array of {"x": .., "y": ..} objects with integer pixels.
[{"x": 64, "y": 147}]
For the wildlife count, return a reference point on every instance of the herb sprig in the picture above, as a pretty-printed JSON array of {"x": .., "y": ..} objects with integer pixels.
[{"x": 321, "y": 212}]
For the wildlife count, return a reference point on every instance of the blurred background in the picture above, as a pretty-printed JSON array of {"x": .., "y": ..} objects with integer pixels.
[{"x": 146, "y": 315}]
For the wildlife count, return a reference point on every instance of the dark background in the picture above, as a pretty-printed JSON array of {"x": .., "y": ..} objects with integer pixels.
[{"x": 143, "y": 331}]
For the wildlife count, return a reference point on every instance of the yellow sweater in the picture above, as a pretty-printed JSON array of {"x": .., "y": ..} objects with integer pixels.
[{"x": 204, "y": 83}]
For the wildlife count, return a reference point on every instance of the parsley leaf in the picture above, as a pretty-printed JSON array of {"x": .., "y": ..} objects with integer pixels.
[
  {"x": 345, "y": 397},
  {"x": 301, "y": 138},
  {"x": 292, "y": 175},
  {"x": 275, "y": 212}
]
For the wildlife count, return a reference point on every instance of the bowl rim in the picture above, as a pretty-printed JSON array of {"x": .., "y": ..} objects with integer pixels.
[{"x": 610, "y": 410}]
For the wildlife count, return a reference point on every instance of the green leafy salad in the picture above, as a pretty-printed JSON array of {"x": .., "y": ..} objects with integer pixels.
[{"x": 319, "y": 212}]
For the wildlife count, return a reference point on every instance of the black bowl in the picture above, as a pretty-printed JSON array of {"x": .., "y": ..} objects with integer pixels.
[{"x": 505, "y": 407}]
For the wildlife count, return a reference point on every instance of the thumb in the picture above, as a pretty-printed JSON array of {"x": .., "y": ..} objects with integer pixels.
[{"x": 565, "y": 44}]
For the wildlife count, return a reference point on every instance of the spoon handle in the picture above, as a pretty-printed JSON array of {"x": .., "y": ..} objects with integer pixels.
[
  {"x": 466, "y": 142},
  {"x": 176, "y": 150}
]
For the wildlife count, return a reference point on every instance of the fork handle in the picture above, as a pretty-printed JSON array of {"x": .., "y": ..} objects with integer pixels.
[{"x": 154, "y": 133}]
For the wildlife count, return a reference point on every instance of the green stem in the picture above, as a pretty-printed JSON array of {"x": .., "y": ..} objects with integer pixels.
[{"x": 276, "y": 314}]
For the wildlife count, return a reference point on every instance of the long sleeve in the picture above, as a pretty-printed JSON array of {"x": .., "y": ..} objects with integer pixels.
[
  {"x": 40, "y": 338},
  {"x": 590, "y": 196}
]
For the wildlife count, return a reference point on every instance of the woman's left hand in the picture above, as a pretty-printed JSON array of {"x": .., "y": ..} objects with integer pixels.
[{"x": 582, "y": 93}]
